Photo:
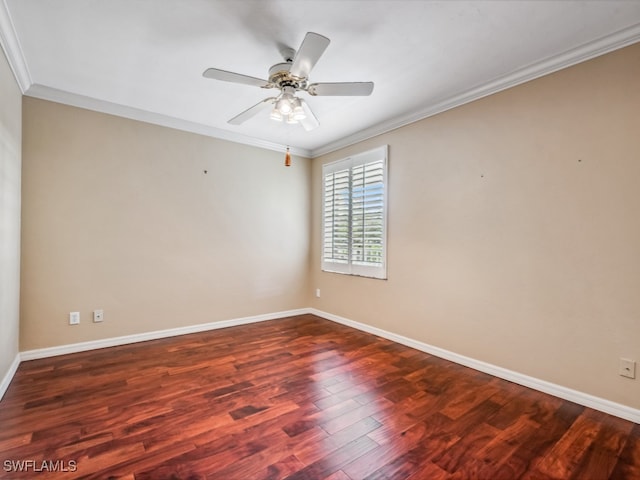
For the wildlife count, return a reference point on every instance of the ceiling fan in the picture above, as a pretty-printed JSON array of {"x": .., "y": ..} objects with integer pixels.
[{"x": 290, "y": 77}]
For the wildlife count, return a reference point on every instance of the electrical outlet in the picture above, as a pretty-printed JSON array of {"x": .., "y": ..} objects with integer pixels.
[
  {"x": 317, "y": 292},
  {"x": 74, "y": 318},
  {"x": 627, "y": 368},
  {"x": 98, "y": 316}
]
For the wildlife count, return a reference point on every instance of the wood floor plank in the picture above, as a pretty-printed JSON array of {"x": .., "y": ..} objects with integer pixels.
[{"x": 295, "y": 398}]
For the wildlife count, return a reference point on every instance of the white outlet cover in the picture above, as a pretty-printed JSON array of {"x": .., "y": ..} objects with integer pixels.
[{"x": 627, "y": 368}]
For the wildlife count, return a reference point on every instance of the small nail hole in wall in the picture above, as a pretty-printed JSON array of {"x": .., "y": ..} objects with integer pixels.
[{"x": 205, "y": 172}]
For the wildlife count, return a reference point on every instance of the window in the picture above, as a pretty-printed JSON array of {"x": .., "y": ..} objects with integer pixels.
[{"x": 354, "y": 221}]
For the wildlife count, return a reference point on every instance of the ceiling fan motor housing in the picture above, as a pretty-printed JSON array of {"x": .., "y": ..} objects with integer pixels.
[{"x": 279, "y": 76}]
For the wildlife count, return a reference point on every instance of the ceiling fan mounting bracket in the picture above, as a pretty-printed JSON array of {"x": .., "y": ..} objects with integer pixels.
[{"x": 288, "y": 54}]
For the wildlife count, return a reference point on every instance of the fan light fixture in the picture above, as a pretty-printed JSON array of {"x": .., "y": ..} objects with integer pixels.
[
  {"x": 288, "y": 107},
  {"x": 276, "y": 115}
]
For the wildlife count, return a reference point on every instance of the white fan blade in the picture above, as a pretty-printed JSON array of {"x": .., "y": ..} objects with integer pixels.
[
  {"x": 312, "y": 48},
  {"x": 310, "y": 121},
  {"x": 251, "y": 112},
  {"x": 233, "y": 77},
  {"x": 341, "y": 89}
]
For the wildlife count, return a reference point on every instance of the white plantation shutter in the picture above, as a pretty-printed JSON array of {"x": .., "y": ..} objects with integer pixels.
[
  {"x": 354, "y": 214},
  {"x": 336, "y": 216}
]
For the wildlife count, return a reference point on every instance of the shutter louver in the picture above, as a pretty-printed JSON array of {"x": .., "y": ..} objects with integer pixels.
[
  {"x": 336, "y": 217},
  {"x": 367, "y": 208}
]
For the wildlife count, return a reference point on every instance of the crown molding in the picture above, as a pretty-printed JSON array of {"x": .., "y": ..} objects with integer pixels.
[
  {"x": 89, "y": 103},
  {"x": 12, "y": 49},
  {"x": 609, "y": 43},
  {"x": 17, "y": 62}
]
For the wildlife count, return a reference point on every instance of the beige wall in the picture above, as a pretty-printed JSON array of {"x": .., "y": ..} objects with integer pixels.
[
  {"x": 514, "y": 230},
  {"x": 119, "y": 215},
  {"x": 10, "y": 158}
]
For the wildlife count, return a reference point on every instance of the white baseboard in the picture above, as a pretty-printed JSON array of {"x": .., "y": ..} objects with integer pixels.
[
  {"x": 587, "y": 400},
  {"x": 143, "y": 337},
  {"x": 6, "y": 380},
  {"x": 581, "y": 398}
]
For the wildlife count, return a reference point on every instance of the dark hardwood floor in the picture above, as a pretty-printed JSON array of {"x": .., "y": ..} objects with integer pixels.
[{"x": 297, "y": 398}]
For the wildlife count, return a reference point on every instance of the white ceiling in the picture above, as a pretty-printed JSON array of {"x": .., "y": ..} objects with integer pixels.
[{"x": 144, "y": 59}]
